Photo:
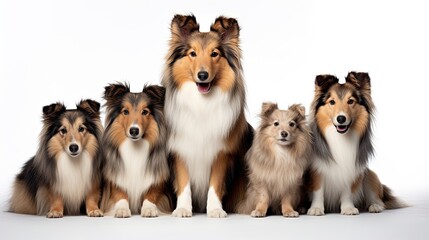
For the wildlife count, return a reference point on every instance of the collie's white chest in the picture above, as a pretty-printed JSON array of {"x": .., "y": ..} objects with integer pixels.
[
  {"x": 343, "y": 171},
  {"x": 74, "y": 179},
  {"x": 199, "y": 126},
  {"x": 134, "y": 177}
]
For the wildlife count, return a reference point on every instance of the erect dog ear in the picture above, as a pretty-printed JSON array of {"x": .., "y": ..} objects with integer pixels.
[
  {"x": 360, "y": 80},
  {"x": 113, "y": 92},
  {"x": 53, "y": 111},
  {"x": 324, "y": 82},
  {"x": 182, "y": 26},
  {"x": 298, "y": 108},
  {"x": 156, "y": 93},
  {"x": 89, "y": 106},
  {"x": 268, "y": 108},
  {"x": 227, "y": 28}
]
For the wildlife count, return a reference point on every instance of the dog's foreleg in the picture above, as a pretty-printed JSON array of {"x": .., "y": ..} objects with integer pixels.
[
  {"x": 183, "y": 190},
  {"x": 217, "y": 185}
]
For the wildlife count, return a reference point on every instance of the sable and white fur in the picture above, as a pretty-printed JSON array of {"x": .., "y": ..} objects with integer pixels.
[
  {"x": 136, "y": 168},
  {"x": 341, "y": 126},
  {"x": 277, "y": 161},
  {"x": 204, "y": 108},
  {"x": 65, "y": 172}
]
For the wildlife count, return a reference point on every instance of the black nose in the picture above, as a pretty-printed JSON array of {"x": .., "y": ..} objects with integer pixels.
[
  {"x": 203, "y": 75},
  {"x": 73, "y": 148},
  {"x": 284, "y": 134},
  {"x": 134, "y": 131},
  {"x": 341, "y": 119}
]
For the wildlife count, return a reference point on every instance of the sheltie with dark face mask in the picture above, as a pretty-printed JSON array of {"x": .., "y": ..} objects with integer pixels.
[
  {"x": 204, "y": 108},
  {"x": 341, "y": 125},
  {"x": 135, "y": 168},
  {"x": 277, "y": 161},
  {"x": 65, "y": 172}
]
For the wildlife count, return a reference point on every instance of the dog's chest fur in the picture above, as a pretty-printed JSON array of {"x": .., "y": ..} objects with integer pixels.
[
  {"x": 340, "y": 172},
  {"x": 134, "y": 177},
  {"x": 74, "y": 179},
  {"x": 200, "y": 124},
  {"x": 279, "y": 174}
]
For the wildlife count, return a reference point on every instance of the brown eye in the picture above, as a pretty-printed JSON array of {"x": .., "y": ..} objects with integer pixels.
[
  {"x": 276, "y": 124},
  {"x": 292, "y": 124},
  {"x": 332, "y": 102},
  {"x": 350, "y": 101},
  {"x": 214, "y": 54},
  {"x": 193, "y": 54},
  {"x": 145, "y": 112},
  {"x": 81, "y": 129},
  {"x": 63, "y": 131},
  {"x": 125, "y": 112}
]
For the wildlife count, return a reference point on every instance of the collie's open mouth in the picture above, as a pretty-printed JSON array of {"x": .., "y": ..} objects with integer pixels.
[
  {"x": 204, "y": 87},
  {"x": 342, "y": 128}
]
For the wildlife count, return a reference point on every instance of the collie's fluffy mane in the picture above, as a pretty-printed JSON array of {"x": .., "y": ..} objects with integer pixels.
[{"x": 359, "y": 84}]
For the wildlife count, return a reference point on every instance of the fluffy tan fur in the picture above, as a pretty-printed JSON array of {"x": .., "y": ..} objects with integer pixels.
[{"x": 277, "y": 161}]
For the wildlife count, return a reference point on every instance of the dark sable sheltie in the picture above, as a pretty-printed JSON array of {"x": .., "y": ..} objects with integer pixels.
[
  {"x": 65, "y": 172},
  {"x": 277, "y": 161},
  {"x": 204, "y": 108},
  {"x": 341, "y": 125},
  {"x": 136, "y": 168}
]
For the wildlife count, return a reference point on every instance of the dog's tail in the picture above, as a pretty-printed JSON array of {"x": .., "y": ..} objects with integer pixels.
[
  {"x": 164, "y": 204},
  {"x": 390, "y": 201}
]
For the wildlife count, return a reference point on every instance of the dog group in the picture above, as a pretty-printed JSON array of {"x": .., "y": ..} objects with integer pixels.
[{"x": 185, "y": 147}]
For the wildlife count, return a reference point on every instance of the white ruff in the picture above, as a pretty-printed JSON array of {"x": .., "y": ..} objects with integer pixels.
[
  {"x": 199, "y": 126},
  {"x": 339, "y": 176},
  {"x": 74, "y": 180},
  {"x": 134, "y": 177}
]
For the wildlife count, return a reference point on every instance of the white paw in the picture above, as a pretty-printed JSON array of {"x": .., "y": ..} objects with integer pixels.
[
  {"x": 182, "y": 212},
  {"x": 122, "y": 213},
  {"x": 257, "y": 213},
  {"x": 350, "y": 211},
  {"x": 95, "y": 213},
  {"x": 291, "y": 214},
  {"x": 375, "y": 208},
  {"x": 150, "y": 212},
  {"x": 217, "y": 213},
  {"x": 315, "y": 211},
  {"x": 54, "y": 214}
]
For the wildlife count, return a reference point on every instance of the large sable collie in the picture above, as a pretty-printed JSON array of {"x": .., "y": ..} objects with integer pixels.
[
  {"x": 204, "y": 108},
  {"x": 277, "y": 160},
  {"x": 65, "y": 172},
  {"x": 341, "y": 125},
  {"x": 136, "y": 168}
]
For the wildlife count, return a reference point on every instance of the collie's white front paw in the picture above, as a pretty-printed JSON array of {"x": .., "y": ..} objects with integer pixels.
[
  {"x": 182, "y": 212},
  {"x": 150, "y": 212},
  {"x": 149, "y": 209},
  {"x": 258, "y": 213},
  {"x": 316, "y": 211},
  {"x": 291, "y": 214},
  {"x": 54, "y": 214},
  {"x": 95, "y": 213},
  {"x": 375, "y": 208},
  {"x": 350, "y": 211},
  {"x": 122, "y": 213},
  {"x": 217, "y": 213}
]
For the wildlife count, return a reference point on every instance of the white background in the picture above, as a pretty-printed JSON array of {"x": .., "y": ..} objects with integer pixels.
[{"x": 68, "y": 50}]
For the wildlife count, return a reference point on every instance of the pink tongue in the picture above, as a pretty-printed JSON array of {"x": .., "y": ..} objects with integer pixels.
[
  {"x": 203, "y": 87},
  {"x": 342, "y": 128}
]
